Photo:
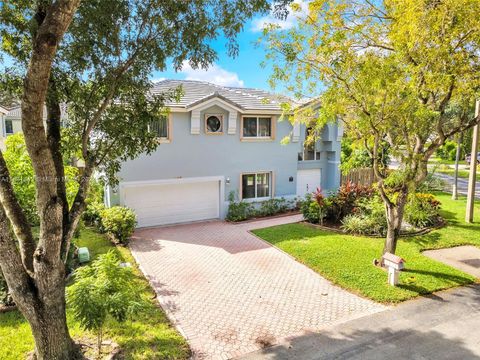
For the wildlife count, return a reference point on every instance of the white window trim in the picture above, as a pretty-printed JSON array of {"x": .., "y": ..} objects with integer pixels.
[
  {"x": 222, "y": 127},
  {"x": 5, "y": 127},
  {"x": 270, "y": 186},
  {"x": 314, "y": 154},
  {"x": 168, "y": 139},
  {"x": 262, "y": 138}
]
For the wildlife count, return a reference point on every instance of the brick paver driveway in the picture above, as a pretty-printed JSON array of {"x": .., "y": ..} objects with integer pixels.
[{"x": 231, "y": 293}]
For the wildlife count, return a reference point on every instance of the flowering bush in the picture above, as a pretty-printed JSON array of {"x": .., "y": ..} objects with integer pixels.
[{"x": 344, "y": 202}]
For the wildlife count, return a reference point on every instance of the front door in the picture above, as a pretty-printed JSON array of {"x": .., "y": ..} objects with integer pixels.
[{"x": 308, "y": 181}]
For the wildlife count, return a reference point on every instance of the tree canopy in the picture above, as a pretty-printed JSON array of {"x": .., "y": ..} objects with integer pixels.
[
  {"x": 405, "y": 72},
  {"x": 95, "y": 57}
]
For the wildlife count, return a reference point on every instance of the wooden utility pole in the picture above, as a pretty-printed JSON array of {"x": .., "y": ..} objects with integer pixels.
[{"x": 472, "y": 180}]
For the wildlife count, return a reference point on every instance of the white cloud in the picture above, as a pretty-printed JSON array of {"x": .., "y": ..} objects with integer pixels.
[
  {"x": 214, "y": 74},
  {"x": 260, "y": 23}
]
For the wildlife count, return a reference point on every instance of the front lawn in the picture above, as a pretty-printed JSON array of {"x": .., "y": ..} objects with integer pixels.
[
  {"x": 347, "y": 260},
  {"x": 148, "y": 336}
]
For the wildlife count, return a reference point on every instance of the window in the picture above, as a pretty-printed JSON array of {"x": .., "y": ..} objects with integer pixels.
[
  {"x": 213, "y": 124},
  {"x": 309, "y": 148},
  {"x": 256, "y": 185},
  {"x": 160, "y": 127},
  {"x": 257, "y": 127},
  {"x": 8, "y": 127}
]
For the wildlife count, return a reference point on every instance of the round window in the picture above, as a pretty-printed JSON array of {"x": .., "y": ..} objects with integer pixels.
[{"x": 214, "y": 124}]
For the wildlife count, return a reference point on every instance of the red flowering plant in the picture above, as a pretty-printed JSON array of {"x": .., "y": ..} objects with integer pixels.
[{"x": 322, "y": 203}]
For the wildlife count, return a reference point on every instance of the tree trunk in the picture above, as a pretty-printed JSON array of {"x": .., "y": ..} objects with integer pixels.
[
  {"x": 47, "y": 318},
  {"x": 394, "y": 213}
]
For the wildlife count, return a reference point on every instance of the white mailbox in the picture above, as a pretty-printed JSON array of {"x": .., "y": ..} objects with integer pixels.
[{"x": 394, "y": 264}]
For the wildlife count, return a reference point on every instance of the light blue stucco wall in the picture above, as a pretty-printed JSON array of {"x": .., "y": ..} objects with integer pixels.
[{"x": 226, "y": 155}]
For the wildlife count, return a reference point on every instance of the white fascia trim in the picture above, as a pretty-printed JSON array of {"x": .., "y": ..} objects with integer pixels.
[
  {"x": 215, "y": 101},
  {"x": 171, "y": 181},
  {"x": 3, "y": 111},
  {"x": 261, "y": 112},
  {"x": 179, "y": 109}
]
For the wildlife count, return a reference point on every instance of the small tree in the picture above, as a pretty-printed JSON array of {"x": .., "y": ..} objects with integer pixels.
[
  {"x": 392, "y": 71},
  {"x": 101, "y": 290}
]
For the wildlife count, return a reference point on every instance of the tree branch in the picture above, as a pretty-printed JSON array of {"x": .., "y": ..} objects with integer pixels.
[{"x": 16, "y": 217}]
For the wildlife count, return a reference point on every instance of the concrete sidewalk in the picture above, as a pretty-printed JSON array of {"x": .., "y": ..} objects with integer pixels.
[{"x": 444, "y": 326}]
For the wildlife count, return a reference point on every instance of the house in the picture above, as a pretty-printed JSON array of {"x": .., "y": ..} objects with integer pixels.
[
  {"x": 11, "y": 121},
  {"x": 219, "y": 140}
]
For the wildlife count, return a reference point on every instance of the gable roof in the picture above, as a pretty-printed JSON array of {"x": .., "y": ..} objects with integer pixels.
[{"x": 196, "y": 92}]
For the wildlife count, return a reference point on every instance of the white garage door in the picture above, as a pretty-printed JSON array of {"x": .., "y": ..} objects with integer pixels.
[
  {"x": 308, "y": 181},
  {"x": 163, "y": 204}
]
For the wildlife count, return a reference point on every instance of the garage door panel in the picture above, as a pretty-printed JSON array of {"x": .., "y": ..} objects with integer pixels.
[
  {"x": 173, "y": 203},
  {"x": 308, "y": 181}
]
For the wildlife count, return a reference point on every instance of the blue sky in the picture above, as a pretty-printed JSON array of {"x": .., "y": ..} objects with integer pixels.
[{"x": 245, "y": 69}]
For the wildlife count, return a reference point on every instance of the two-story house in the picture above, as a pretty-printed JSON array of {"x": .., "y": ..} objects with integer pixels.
[{"x": 217, "y": 140}]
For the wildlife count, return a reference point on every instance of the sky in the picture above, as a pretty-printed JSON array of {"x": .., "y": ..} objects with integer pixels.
[{"x": 244, "y": 70}]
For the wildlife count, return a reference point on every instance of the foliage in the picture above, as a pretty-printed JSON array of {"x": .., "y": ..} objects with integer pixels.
[
  {"x": 368, "y": 219},
  {"x": 447, "y": 151},
  {"x": 422, "y": 210},
  {"x": 356, "y": 156},
  {"x": 431, "y": 183},
  {"x": 243, "y": 210},
  {"x": 403, "y": 72},
  {"x": 310, "y": 209},
  {"x": 119, "y": 222},
  {"x": 23, "y": 178},
  {"x": 147, "y": 335},
  {"x": 238, "y": 210},
  {"x": 343, "y": 202},
  {"x": 103, "y": 289},
  {"x": 93, "y": 214},
  {"x": 347, "y": 260},
  {"x": 272, "y": 206}
]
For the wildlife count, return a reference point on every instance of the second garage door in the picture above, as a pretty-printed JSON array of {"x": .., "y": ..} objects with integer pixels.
[{"x": 162, "y": 204}]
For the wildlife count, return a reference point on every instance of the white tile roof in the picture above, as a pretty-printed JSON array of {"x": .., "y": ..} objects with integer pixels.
[
  {"x": 197, "y": 91},
  {"x": 16, "y": 112}
]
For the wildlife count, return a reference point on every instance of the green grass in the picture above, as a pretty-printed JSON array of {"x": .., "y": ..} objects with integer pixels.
[
  {"x": 461, "y": 173},
  {"x": 347, "y": 260},
  {"x": 148, "y": 336}
]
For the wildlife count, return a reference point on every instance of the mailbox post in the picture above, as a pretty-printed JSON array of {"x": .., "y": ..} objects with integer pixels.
[{"x": 394, "y": 264}]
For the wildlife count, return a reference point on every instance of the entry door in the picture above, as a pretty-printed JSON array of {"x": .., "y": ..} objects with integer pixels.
[{"x": 308, "y": 181}]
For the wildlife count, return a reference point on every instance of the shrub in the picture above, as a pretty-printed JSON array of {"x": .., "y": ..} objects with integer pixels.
[
  {"x": 103, "y": 289},
  {"x": 239, "y": 210},
  {"x": 422, "y": 210},
  {"x": 93, "y": 214},
  {"x": 273, "y": 206},
  {"x": 448, "y": 151},
  {"x": 344, "y": 201},
  {"x": 119, "y": 222},
  {"x": 311, "y": 209},
  {"x": 369, "y": 218}
]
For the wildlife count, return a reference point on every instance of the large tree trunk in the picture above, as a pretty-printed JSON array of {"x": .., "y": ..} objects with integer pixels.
[
  {"x": 394, "y": 213},
  {"x": 35, "y": 273},
  {"x": 49, "y": 328}
]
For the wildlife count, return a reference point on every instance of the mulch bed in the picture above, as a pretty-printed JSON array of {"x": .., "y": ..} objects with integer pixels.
[
  {"x": 336, "y": 229},
  {"x": 258, "y": 218}
]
